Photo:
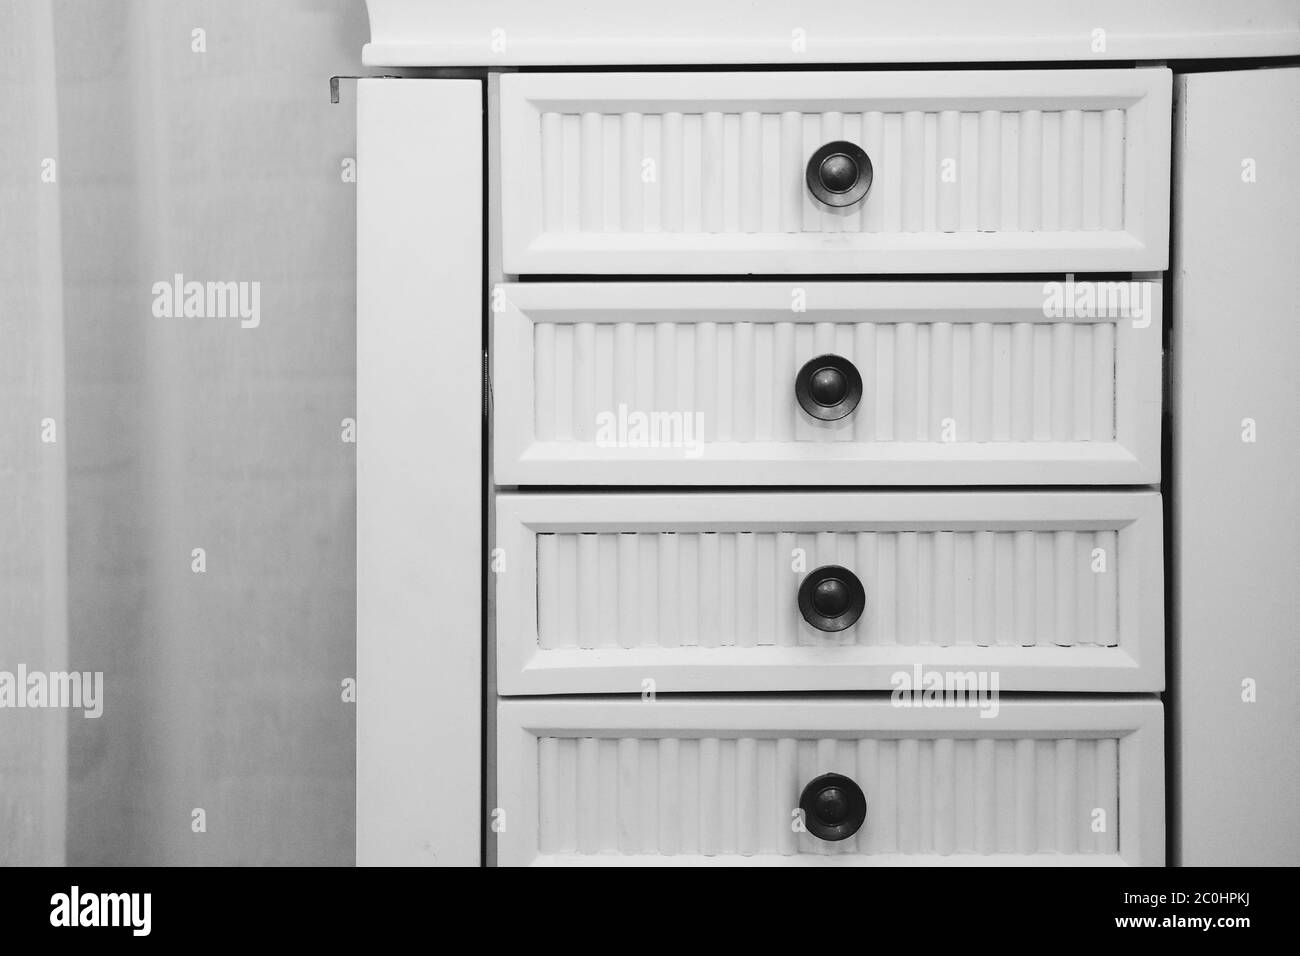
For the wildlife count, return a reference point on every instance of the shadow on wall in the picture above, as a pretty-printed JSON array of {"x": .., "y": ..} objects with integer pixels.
[{"x": 211, "y": 493}]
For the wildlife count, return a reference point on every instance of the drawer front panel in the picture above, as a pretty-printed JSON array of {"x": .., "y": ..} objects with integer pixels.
[
  {"x": 695, "y": 383},
  {"x": 701, "y": 592},
  {"x": 682, "y": 173},
  {"x": 706, "y": 780}
]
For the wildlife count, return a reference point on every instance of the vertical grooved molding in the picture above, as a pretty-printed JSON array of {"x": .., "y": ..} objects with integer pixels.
[
  {"x": 630, "y": 611},
  {"x": 751, "y": 171},
  {"x": 1106, "y": 616},
  {"x": 713, "y": 172},
  {"x": 1102, "y": 416},
  {"x": 990, "y": 170},
  {"x": 1030, "y": 199},
  {"x": 949, "y": 156},
  {"x": 632, "y": 197},
  {"x": 672, "y": 173},
  {"x": 1070, "y": 193},
  {"x": 591, "y": 178},
  {"x": 1112, "y": 169},
  {"x": 552, "y": 172},
  {"x": 912, "y": 173},
  {"x": 792, "y": 167},
  {"x": 549, "y": 598},
  {"x": 832, "y": 130},
  {"x": 873, "y": 141}
]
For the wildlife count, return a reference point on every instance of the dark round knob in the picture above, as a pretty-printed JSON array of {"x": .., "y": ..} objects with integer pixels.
[
  {"x": 828, "y": 387},
  {"x": 834, "y": 807},
  {"x": 831, "y": 598},
  {"x": 839, "y": 174},
  {"x": 831, "y": 805}
]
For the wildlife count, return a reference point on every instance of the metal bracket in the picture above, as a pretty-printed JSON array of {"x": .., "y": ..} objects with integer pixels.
[{"x": 334, "y": 82}]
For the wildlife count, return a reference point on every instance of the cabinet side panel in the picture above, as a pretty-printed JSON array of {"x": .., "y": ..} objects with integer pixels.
[
  {"x": 419, "y": 397},
  {"x": 1236, "y": 504}
]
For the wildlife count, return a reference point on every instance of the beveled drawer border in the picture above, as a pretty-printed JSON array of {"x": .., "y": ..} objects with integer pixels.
[
  {"x": 1133, "y": 458},
  {"x": 1138, "y": 720},
  {"x": 1135, "y": 664},
  {"x": 527, "y": 249}
]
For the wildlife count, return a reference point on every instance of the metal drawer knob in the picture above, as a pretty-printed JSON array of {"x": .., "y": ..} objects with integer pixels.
[
  {"x": 834, "y": 807},
  {"x": 839, "y": 174},
  {"x": 828, "y": 387},
  {"x": 831, "y": 598}
]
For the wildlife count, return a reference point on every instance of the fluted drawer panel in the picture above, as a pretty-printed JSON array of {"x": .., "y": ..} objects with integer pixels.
[
  {"x": 1036, "y": 590},
  {"x": 939, "y": 381},
  {"x": 694, "y": 383},
  {"x": 1043, "y": 781},
  {"x": 738, "y": 589},
  {"x": 720, "y": 796},
  {"x": 681, "y": 172},
  {"x": 952, "y": 171}
]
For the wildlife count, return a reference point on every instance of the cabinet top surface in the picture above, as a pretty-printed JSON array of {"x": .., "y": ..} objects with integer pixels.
[{"x": 505, "y": 33}]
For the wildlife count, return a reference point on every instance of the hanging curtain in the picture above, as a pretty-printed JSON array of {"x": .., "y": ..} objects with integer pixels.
[
  {"x": 191, "y": 532},
  {"x": 33, "y": 529}
]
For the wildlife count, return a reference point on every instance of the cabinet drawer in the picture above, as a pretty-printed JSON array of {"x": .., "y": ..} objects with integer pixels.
[
  {"x": 971, "y": 171},
  {"x": 699, "y": 383},
  {"x": 698, "y": 780},
  {"x": 620, "y": 593}
]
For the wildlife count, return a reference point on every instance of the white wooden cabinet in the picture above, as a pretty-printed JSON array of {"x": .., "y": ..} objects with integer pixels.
[
  {"x": 805, "y": 333},
  {"x": 700, "y": 592},
  {"x": 962, "y": 383},
  {"x": 974, "y": 171},
  {"x": 707, "y": 780}
]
